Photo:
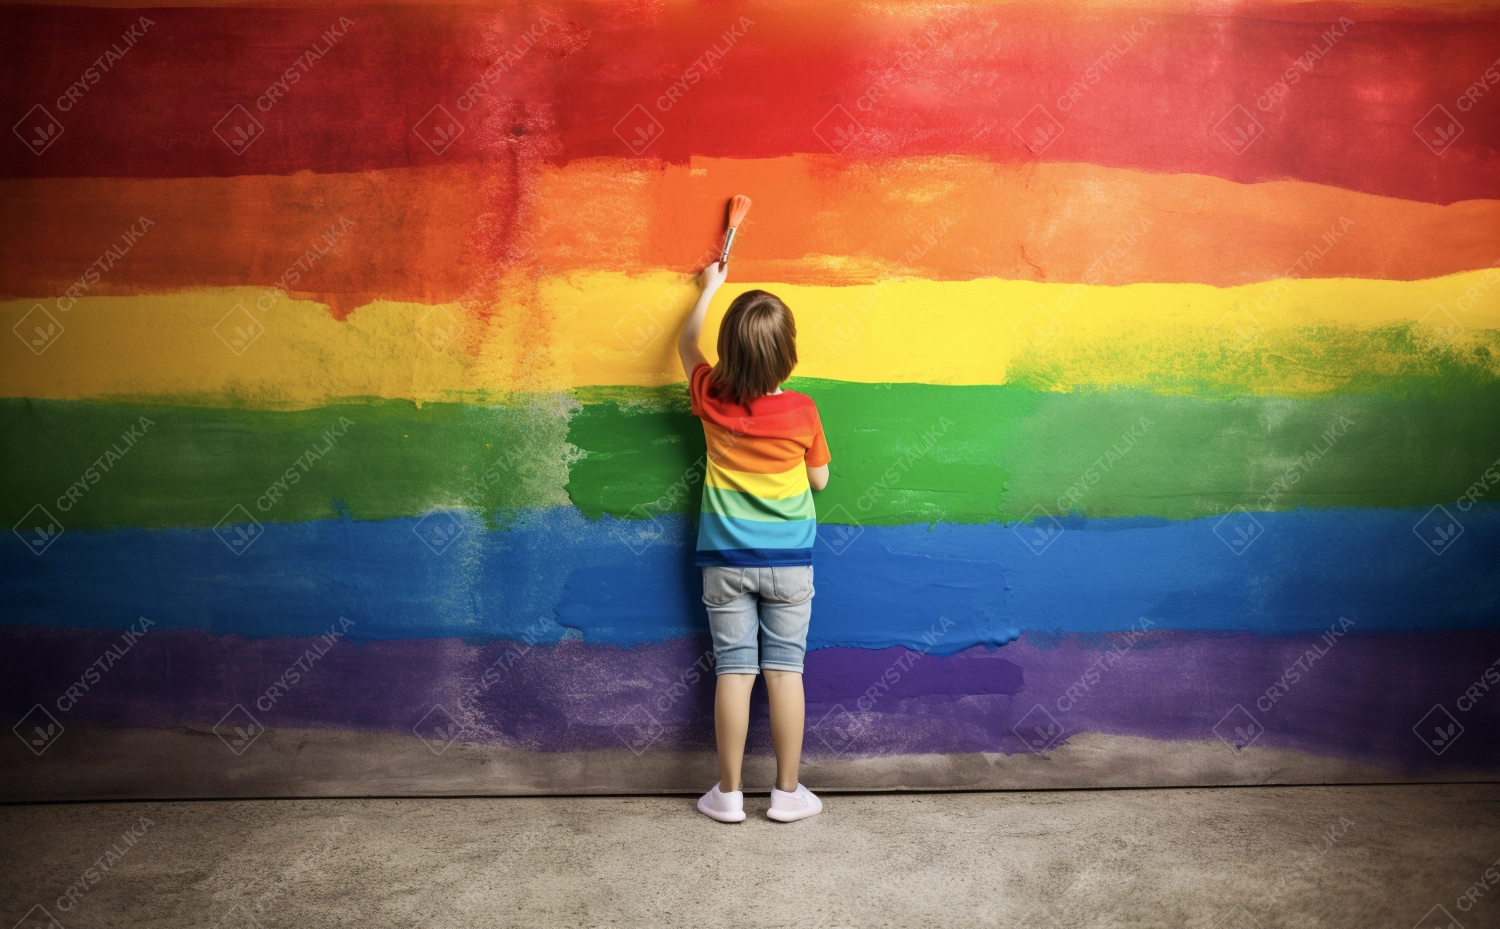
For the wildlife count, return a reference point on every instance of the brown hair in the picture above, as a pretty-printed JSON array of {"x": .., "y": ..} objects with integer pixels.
[{"x": 757, "y": 346}]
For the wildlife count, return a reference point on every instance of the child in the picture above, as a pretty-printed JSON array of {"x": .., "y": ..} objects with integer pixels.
[{"x": 766, "y": 454}]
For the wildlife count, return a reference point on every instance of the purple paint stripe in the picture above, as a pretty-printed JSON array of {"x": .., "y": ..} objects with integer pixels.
[{"x": 1356, "y": 697}]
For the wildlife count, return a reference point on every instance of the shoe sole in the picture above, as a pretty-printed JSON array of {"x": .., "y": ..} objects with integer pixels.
[
  {"x": 738, "y": 817},
  {"x": 792, "y": 817}
]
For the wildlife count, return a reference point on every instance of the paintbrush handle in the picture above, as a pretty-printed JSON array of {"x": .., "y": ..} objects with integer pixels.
[{"x": 728, "y": 242}]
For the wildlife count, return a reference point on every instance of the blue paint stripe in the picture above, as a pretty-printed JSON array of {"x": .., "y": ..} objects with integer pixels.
[{"x": 553, "y": 573}]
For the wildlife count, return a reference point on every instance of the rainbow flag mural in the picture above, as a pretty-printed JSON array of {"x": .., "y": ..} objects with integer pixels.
[{"x": 347, "y": 449}]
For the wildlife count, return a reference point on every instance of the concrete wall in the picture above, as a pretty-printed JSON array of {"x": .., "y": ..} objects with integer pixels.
[{"x": 348, "y": 451}]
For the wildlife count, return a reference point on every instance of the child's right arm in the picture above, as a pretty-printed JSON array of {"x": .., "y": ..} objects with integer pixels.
[{"x": 687, "y": 343}]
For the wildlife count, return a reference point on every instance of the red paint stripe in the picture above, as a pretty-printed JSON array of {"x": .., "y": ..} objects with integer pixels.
[{"x": 1348, "y": 121}]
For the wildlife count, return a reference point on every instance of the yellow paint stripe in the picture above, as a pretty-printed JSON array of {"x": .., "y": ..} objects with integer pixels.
[
  {"x": 597, "y": 328},
  {"x": 170, "y": 347},
  {"x": 985, "y": 331}
]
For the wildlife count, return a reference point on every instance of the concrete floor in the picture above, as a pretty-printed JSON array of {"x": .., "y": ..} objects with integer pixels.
[{"x": 1234, "y": 858}]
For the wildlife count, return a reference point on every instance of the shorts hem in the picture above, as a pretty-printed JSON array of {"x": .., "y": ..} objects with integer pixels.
[
  {"x": 779, "y": 666},
  {"x": 745, "y": 670}
]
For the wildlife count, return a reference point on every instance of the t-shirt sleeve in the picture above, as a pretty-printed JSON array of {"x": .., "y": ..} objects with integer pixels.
[
  {"x": 817, "y": 452},
  {"x": 698, "y": 386}
]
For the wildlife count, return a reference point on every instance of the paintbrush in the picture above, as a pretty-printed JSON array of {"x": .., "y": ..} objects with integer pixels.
[{"x": 738, "y": 207}]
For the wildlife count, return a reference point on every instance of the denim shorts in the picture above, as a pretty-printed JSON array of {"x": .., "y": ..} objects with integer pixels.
[{"x": 758, "y": 617}]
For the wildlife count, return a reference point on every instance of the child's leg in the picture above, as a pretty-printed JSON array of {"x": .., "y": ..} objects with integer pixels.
[
  {"x": 785, "y": 611},
  {"x": 731, "y": 605},
  {"x": 788, "y": 711},
  {"x": 731, "y": 721}
]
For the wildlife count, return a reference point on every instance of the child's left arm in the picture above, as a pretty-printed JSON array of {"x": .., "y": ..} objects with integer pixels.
[
  {"x": 817, "y": 474},
  {"x": 687, "y": 344},
  {"x": 817, "y": 478}
]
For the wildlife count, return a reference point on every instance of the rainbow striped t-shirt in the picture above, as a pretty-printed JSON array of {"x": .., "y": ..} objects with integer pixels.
[{"x": 757, "y": 505}]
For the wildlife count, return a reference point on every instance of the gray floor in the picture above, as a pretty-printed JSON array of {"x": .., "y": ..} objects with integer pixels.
[{"x": 1231, "y": 858}]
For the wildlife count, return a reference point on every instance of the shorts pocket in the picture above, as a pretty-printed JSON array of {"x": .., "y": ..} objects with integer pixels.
[
  {"x": 721, "y": 584},
  {"x": 792, "y": 583}
]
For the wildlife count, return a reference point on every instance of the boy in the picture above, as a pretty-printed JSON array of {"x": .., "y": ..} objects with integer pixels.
[{"x": 766, "y": 454}]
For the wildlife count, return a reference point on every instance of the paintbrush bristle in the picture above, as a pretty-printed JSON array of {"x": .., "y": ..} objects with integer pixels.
[{"x": 738, "y": 207}]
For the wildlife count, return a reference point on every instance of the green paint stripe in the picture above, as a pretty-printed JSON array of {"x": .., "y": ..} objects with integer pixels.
[
  {"x": 901, "y": 454},
  {"x": 192, "y": 465},
  {"x": 905, "y": 453}
]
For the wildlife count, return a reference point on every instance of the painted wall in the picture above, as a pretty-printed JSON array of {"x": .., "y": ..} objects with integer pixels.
[{"x": 348, "y": 451}]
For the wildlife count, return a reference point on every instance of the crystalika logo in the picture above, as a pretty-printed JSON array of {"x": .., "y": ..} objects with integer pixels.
[
  {"x": 1438, "y": 529},
  {"x": 438, "y": 129},
  {"x": 1239, "y": 729},
  {"x": 838, "y": 129},
  {"x": 1038, "y": 529},
  {"x": 638, "y": 129},
  {"x": 1038, "y": 129},
  {"x": 838, "y": 729},
  {"x": 639, "y": 729},
  {"x": 38, "y": 729},
  {"x": 1238, "y": 129},
  {"x": 839, "y": 529},
  {"x": 38, "y": 529},
  {"x": 38, "y": 129},
  {"x": 239, "y": 129},
  {"x": 1239, "y": 529},
  {"x": 1438, "y": 730},
  {"x": 1038, "y": 729},
  {"x": 438, "y": 530}
]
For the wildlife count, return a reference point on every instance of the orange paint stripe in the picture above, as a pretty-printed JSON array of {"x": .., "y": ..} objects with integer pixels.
[
  {"x": 433, "y": 235},
  {"x": 826, "y": 220}
]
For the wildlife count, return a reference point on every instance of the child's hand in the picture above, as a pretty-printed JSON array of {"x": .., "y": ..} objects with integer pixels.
[{"x": 713, "y": 275}]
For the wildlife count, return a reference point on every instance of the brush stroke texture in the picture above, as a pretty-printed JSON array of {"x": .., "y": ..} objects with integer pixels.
[
  {"x": 625, "y": 582},
  {"x": 913, "y": 453},
  {"x": 944, "y": 87},
  {"x": 902, "y": 454},
  {"x": 412, "y": 234},
  {"x": 575, "y": 696},
  {"x": 417, "y": 233},
  {"x": 1284, "y": 338}
]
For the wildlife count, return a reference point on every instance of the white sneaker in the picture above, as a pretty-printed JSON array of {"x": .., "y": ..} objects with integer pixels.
[
  {"x": 790, "y": 807},
  {"x": 725, "y": 807}
]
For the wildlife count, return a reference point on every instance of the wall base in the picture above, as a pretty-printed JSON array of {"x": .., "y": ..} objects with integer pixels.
[{"x": 111, "y": 764}]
